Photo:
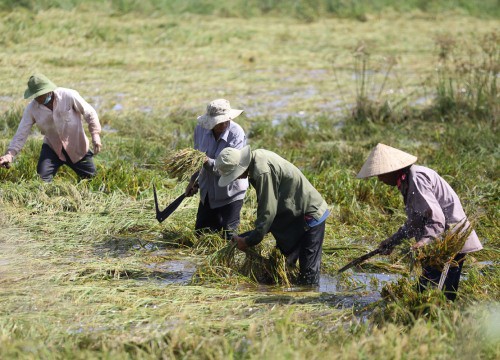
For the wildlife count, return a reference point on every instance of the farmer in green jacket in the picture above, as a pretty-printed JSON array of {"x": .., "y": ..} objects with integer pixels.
[{"x": 288, "y": 206}]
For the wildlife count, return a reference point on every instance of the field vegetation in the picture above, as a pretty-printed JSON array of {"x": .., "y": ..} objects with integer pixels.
[{"x": 86, "y": 271}]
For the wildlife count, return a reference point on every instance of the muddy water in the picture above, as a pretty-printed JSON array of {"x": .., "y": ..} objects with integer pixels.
[
  {"x": 358, "y": 289},
  {"x": 174, "y": 271}
]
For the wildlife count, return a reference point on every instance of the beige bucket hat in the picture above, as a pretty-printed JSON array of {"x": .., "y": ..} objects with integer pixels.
[
  {"x": 385, "y": 159},
  {"x": 231, "y": 163},
  {"x": 38, "y": 84},
  {"x": 218, "y": 111}
]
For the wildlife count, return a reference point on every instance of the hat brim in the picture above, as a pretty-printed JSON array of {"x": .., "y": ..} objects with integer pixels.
[
  {"x": 208, "y": 122},
  {"x": 46, "y": 89},
  {"x": 238, "y": 170},
  {"x": 385, "y": 159}
]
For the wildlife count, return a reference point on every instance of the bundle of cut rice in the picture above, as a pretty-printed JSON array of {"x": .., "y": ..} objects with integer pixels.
[
  {"x": 184, "y": 163},
  {"x": 444, "y": 248}
]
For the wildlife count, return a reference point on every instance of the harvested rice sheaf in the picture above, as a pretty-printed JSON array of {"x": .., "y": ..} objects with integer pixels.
[
  {"x": 403, "y": 304},
  {"x": 442, "y": 249},
  {"x": 184, "y": 163},
  {"x": 256, "y": 263}
]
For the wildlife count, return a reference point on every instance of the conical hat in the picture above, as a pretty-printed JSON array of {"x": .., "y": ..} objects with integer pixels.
[{"x": 385, "y": 159}]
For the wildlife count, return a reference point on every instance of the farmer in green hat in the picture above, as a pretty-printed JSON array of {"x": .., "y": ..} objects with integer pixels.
[
  {"x": 288, "y": 206},
  {"x": 58, "y": 114},
  {"x": 431, "y": 206}
]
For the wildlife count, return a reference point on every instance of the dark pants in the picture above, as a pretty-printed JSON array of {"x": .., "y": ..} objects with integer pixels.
[
  {"x": 431, "y": 276},
  {"x": 308, "y": 252},
  {"x": 49, "y": 163},
  {"x": 225, "y": 218}
]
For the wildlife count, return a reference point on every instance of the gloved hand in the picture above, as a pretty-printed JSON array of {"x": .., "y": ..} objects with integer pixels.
[
  {"x": 96, "y": 144},
  {"x": 192, "y": 188},
  {"x": 386, "y": 246},
  {"x": 6, "y": 160}
]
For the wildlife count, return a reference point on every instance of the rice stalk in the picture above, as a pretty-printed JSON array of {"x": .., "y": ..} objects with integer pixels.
[
  {"x": 444, "y": 248},
  {"x": 183, "y": 163},
  {"x": 404, "y": 305}
]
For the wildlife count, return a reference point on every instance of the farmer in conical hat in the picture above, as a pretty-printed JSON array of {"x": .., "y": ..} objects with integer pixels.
[
  {"x": 58, "y": 114},
  {"x": 288, "y": 206},
  {"x": 219, "y": 207},
  {"x": 431, "y": 207}
]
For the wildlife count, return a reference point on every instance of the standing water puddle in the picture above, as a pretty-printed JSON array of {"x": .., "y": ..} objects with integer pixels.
[
  {"x": 173, "y": 271},
  {"x": 357, "y": 289},
  {"x": 357, "y": 281}
]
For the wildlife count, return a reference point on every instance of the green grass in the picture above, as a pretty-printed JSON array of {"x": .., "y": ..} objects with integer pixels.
[
  {"x": 82, "y": 263},
  {"x": 306, "y": 10}
]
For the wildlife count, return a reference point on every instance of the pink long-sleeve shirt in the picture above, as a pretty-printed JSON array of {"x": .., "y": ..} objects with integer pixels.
[
  {"x": 432, "y": 206},
  {"x": 61, "y": 126}
]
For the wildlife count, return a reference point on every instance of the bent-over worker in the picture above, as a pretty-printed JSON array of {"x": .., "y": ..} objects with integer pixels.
[
  {"x": 288, "y": 206},
  {"x": 431, "y": 206}
]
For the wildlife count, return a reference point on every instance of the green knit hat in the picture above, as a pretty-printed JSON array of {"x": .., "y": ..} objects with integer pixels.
[{"x": 38, "y": 84}]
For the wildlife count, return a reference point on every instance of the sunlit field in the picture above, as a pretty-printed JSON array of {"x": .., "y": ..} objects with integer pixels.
[{"x": 86, "y": 271}]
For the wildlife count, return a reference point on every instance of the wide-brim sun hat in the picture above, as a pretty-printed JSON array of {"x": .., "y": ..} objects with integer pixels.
[
  {"x": 384, "y": 159},
  {"x": 38, "y": 84},
  {"x": 218, "y": 111},
  {"x": 232, "y": 163}
]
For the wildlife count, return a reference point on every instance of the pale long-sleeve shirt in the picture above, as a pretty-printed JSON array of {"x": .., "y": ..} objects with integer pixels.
[
  {"x": 61, "y": 126},
  {"x": 432, "y": 207},
  {"x": 204, "y": 141}
]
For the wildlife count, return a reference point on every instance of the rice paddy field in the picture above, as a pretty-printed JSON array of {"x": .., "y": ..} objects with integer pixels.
[{"x": 86, "y": 271}]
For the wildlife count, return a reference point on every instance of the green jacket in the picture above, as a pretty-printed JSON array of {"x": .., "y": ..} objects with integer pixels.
[{"x": 284, "y": 197}]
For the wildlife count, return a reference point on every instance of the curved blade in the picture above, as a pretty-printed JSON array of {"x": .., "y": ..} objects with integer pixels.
[
  {"x": 165, "y": 213},
  {"x": 170, "y": 209},
  {"x": 359, "y": 260},
  {"x": 156, "y": 201}
]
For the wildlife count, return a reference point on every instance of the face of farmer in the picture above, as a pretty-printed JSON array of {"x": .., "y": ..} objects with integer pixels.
[
  {"x": 44, "y": 99},
  {"x": 220, "y": 128},
  {"x": 389, "y": 178}
]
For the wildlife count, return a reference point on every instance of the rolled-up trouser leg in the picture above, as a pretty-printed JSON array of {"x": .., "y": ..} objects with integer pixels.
[{"x": 310, "y": 255}]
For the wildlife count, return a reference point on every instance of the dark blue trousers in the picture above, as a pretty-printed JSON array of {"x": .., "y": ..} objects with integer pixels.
[
  {"x": 430, "y": 277},
  {"x": 225, "y": 218},
  {"x": 308, "y": 252},
  {"x": 49, "y": 163}
]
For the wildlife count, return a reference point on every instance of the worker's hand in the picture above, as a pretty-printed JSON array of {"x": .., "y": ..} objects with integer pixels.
[
  {"x": 386, "y": 246},
  {"x": 417, "y": 245},
  {"x": 5, "y": 160},
  {"x": 240, "y": 242},
  {"x": 96, "y": 143},
  {"x": 96, "y": 147},
  {"x": 192, "y": 188}
]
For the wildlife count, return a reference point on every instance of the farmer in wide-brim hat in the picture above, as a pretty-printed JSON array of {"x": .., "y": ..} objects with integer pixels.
[
  {"x": 431, "y": 207},
  {"x": 58, "y": 114},
  {"x": 289, "y": 207},
  {"x": 219, "y": 207}
]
